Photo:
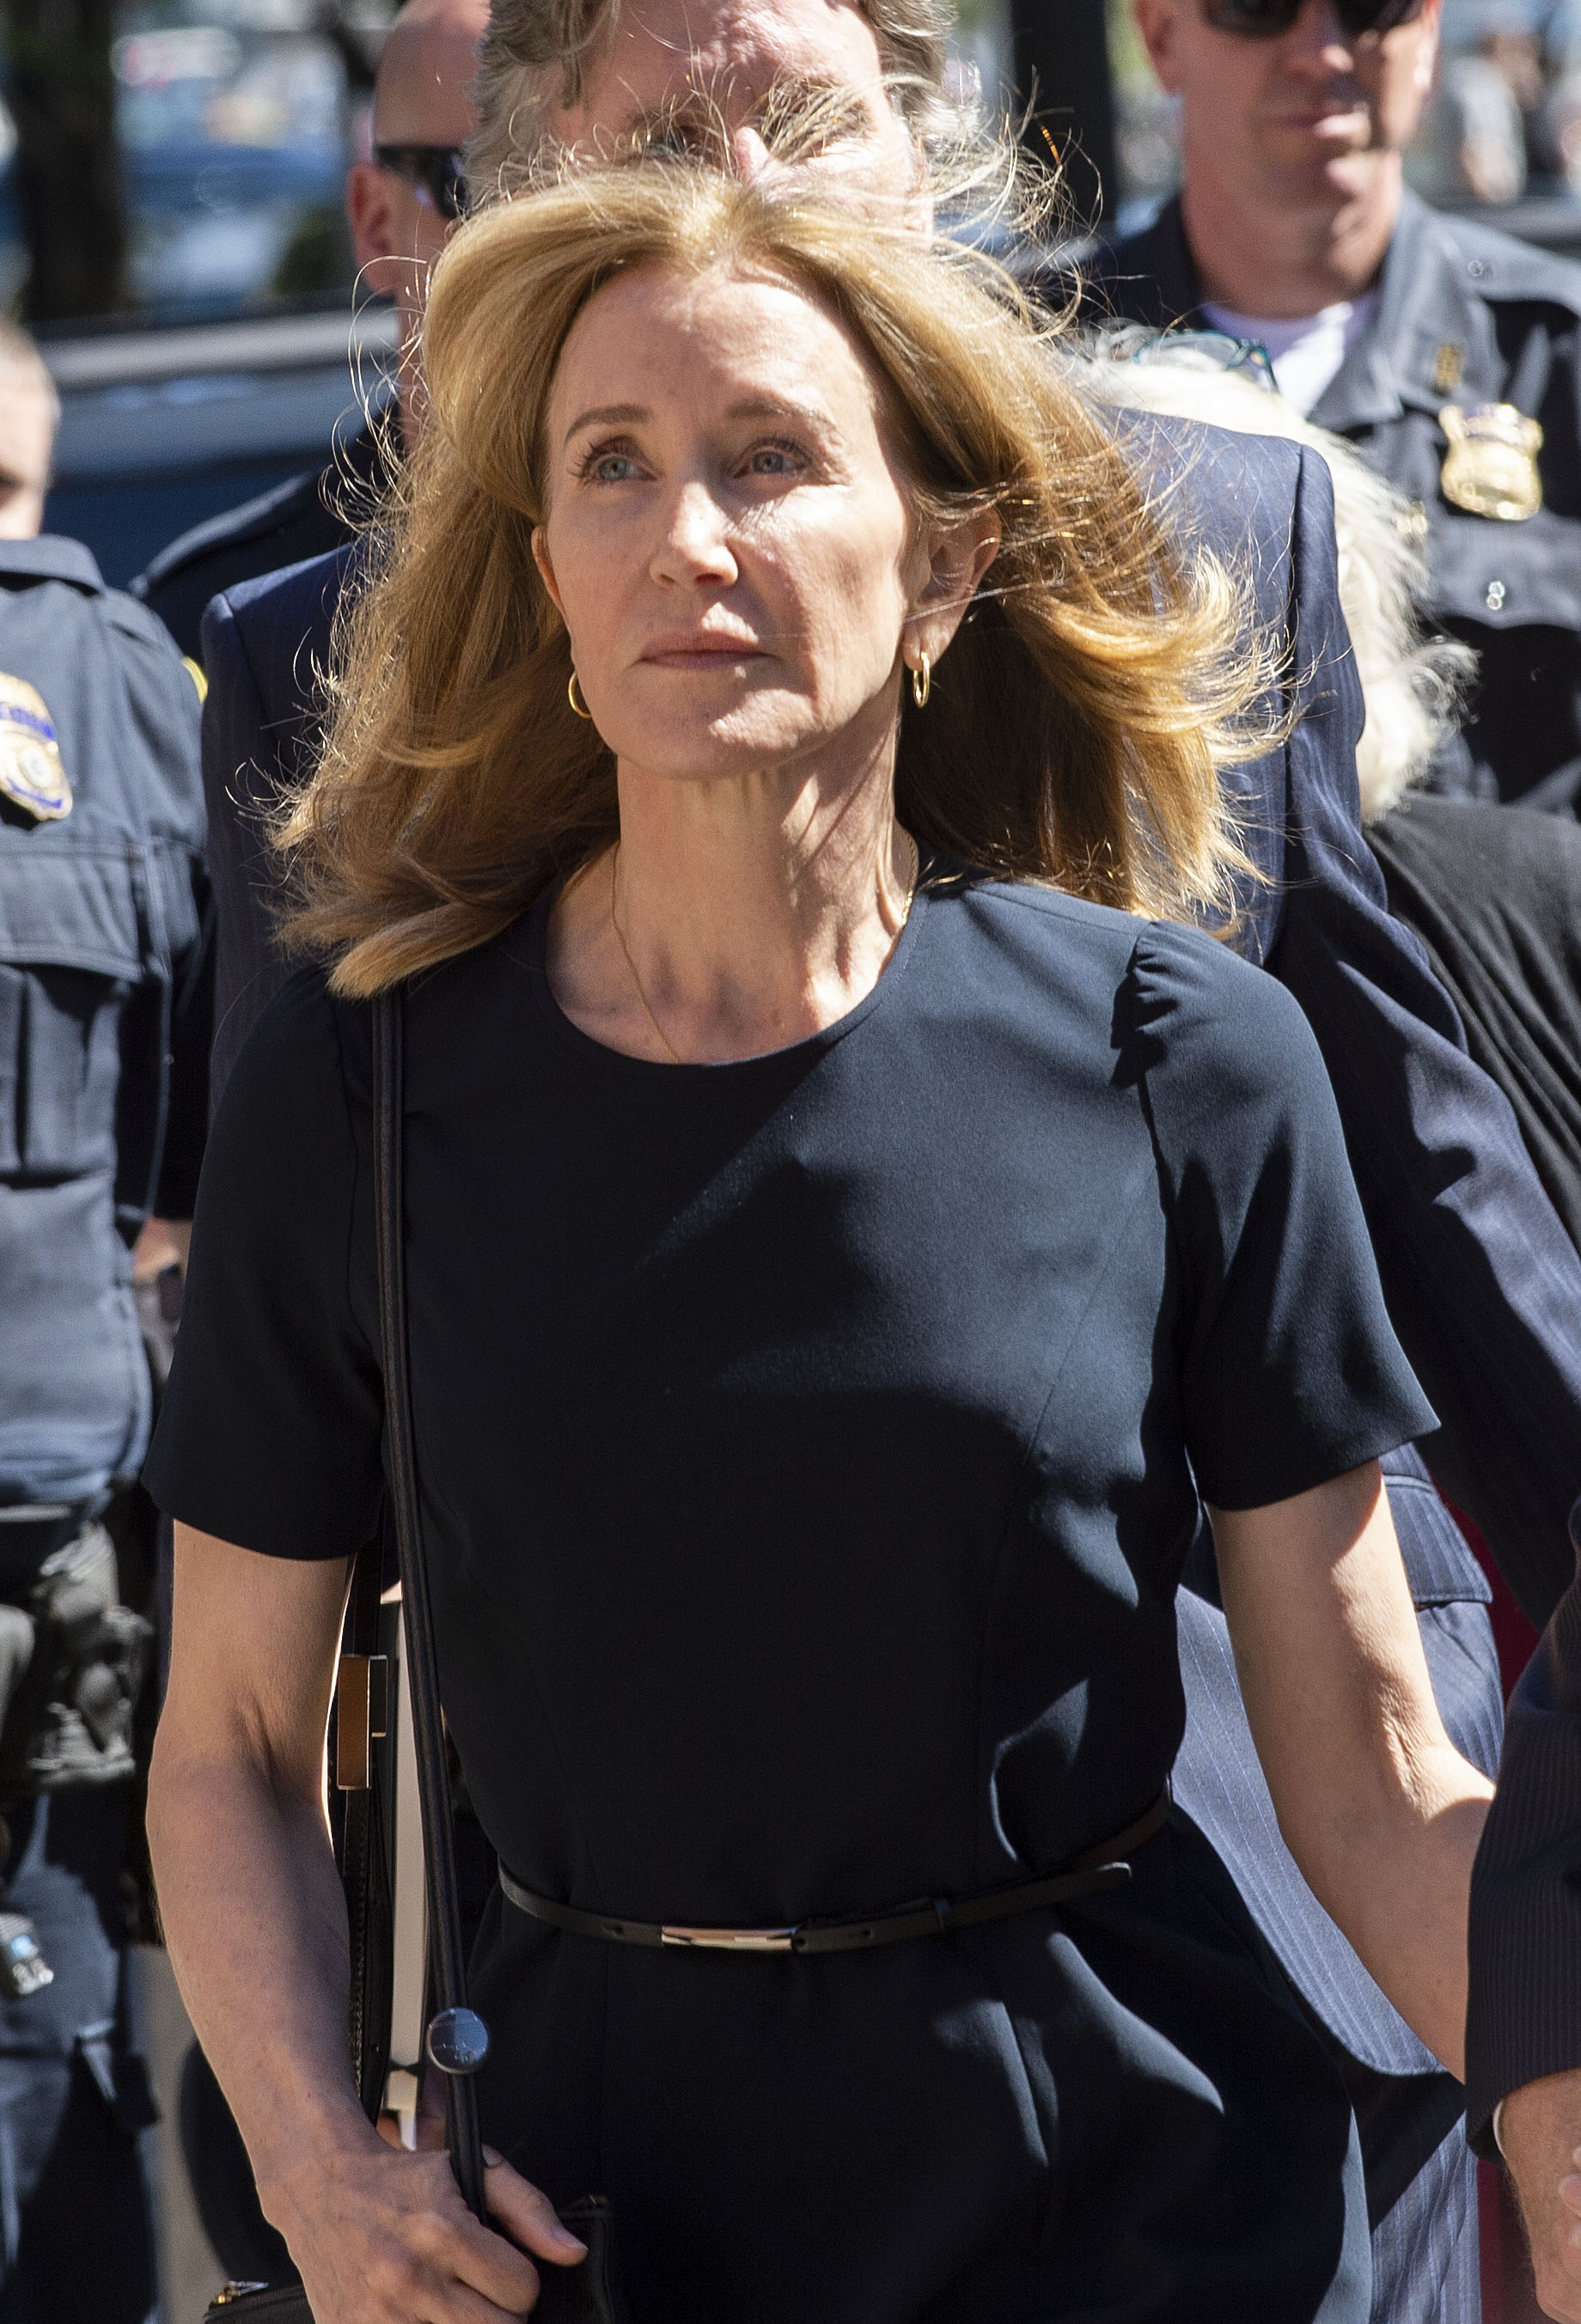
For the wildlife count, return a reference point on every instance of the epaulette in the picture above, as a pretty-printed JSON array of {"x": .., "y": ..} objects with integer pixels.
[
  {"x": 124, "y": 612},
  {"x": 1498, "y": 266},
  {"x": 229, "y": 530}
]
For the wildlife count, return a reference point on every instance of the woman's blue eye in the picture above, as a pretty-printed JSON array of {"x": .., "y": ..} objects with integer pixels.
[
  {"x": 771, "y": 460},
  {"x": 610, "y": 467}
]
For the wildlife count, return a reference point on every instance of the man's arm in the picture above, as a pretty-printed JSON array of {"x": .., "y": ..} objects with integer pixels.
[
  {"x": 1541, "y": 2129},
  {"x": 1523, "y": 2023},
  {"x": 1483, "y": 1285},
  {"x": 1484, "y": 1289}
]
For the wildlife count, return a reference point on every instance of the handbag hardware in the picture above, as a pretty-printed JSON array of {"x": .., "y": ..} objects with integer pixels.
[
  {"x": 1095, "y": 1869},
  {"x": 457, "y": 2038},
  {"x": 362, "y": 1717}
]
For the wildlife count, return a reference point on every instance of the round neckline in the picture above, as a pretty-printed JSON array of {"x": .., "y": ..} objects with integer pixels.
[{"x": 811, "y": 1046}]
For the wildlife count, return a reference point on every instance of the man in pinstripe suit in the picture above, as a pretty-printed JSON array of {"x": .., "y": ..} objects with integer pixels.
[{"x": 1524, "y": 2026}]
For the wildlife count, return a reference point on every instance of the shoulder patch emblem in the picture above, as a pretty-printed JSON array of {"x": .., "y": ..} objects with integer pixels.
[
  {"x": 31, "y": 773},
  {"x": 1490, "y": 467}
]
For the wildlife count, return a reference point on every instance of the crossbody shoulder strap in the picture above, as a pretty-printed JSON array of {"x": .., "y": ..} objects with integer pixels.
[{"x": 457, "y": 2040}]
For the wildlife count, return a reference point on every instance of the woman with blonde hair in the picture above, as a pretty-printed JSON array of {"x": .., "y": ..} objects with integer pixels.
[{"x": 856, "y": 1219}]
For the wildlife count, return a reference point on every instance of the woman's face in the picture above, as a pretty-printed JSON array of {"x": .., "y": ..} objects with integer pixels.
[{"x": 728, "y": 537}]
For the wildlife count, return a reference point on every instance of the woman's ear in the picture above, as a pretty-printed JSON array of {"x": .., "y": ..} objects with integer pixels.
[
  {"x": 546, "y": 570},
  {"x": 958, "y": 556}
]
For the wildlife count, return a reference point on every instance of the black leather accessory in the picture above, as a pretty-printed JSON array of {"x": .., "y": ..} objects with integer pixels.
[
  {"x": 1097, "y": 1868},
  {"x": 458, "y": 2039}
]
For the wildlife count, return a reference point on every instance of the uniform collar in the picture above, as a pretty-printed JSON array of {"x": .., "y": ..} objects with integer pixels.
[
  {"x": 1429, "y": 337},
  {"x": 51, "y": 558},
  {"x": 1160, "y": 272},
  {"x": 1428, "y": 313}
]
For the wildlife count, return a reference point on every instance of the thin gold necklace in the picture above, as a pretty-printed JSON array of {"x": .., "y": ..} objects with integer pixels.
[{"x": 632, "y": 965}]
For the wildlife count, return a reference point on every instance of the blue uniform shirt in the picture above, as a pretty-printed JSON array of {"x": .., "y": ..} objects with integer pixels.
[
  {"x": 1465, "y": 317},
  {"x": 102, "y": 1008}
]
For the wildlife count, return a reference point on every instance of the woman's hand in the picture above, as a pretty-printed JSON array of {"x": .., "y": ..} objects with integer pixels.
[
  {"x": 383, "y": 2237},
  {"x": 255, "y": 1918}
]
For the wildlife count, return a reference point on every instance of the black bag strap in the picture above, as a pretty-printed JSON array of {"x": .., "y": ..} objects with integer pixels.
[
  {"x": 364, "y": 1869},
  {"x": 457, "y": 2040}
]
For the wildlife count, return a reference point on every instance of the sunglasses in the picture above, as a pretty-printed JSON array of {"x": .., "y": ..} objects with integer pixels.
[
  {"x": 1264, "y": 20},
  {"x": 439, "y": 171}
]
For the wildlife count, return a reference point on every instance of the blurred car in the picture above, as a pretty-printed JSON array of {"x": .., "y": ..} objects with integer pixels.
[
  {"x": 236, "y": 355},
  {"x": 162, "y": 428}
]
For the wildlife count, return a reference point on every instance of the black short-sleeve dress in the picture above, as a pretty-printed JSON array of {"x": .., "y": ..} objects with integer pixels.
[{"x": 808, "y": 1447}]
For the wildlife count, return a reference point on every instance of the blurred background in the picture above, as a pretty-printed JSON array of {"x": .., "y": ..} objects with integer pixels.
[{"x": 171, "y": 231}]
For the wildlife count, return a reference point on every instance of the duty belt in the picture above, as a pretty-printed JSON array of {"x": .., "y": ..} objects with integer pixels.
[{"x": 1097, "y": 1868}]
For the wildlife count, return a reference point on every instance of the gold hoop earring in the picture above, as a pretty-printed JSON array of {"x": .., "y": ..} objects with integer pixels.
[
  {"x": 922, "y": 681},
  {"x": 574, "y": 697}
]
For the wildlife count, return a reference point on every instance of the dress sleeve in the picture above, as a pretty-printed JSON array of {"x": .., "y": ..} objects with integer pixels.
[
  {"x": 269, "y": 1436},
  {"x": 1290, "y": 1372}
]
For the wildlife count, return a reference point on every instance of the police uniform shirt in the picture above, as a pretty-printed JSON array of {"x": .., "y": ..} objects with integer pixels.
[
  {"x": 103, "y": 1008},
  {"x": 307, "y": 517},
  {"x": 1466, "y": 318}
]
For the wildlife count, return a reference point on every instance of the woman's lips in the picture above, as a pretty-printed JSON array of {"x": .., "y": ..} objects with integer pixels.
[{"x": 698, "y": 654}]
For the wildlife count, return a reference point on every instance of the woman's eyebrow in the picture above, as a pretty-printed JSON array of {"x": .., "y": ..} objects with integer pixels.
[
  {"x": 606, "y": 415},
  {"x": 781, "y": 407},
  {"x": 749, "y": 407}
]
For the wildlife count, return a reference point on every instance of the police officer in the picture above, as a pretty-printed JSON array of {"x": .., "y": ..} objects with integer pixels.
[
  {"x": 103, "y": 1055},
  {"x": 400, "y": 206},
  {"x": 1449, "y": 353}
]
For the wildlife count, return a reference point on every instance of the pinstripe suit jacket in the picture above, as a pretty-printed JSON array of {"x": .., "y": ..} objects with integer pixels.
[
  {"x": 1525, "y": 2016},
  {"x": 1483, "y": 1287}
]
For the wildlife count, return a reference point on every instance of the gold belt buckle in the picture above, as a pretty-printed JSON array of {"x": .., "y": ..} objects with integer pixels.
[{"x": 731, "y": 1941}]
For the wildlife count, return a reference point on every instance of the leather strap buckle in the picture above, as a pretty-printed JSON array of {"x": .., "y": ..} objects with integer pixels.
[
  {"x": 1087, "y": 1874},
  {"x": 731, "y": 1941}
]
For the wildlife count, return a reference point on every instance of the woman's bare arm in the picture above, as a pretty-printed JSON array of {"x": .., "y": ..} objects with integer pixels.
[
  {"x": 256, "y": 1920},
  {"x": 1376, "y": 1805}
]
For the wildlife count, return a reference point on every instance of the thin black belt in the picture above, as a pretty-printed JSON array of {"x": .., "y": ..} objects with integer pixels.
[{"x": 1096, "y": 1869}]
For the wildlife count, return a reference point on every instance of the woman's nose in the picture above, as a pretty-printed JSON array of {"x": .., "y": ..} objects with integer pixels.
[{"x": 695, "y": 545}]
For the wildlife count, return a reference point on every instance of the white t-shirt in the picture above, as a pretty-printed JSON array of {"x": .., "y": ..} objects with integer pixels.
[{"x": 1307, "y": 350}]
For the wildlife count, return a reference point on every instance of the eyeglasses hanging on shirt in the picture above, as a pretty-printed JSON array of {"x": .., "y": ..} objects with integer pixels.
[{"x": 439, "y": 171}]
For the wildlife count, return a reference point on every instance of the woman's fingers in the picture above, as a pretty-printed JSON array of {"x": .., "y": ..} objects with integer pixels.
[
  {"x": 465, "y": 2306},
  {"x": 527, "y": 2215},
  {"x": 383, "y": 2237},
  {"x": 489, "y": 2264}
]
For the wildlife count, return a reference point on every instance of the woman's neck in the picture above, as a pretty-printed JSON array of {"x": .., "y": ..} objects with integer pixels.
[{"x": 737, "y": 916}]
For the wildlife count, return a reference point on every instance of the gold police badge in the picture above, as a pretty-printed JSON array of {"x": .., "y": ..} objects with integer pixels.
[
  {"x": 1490, "y": 467},
  {"x": 31, "y": 773}
]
